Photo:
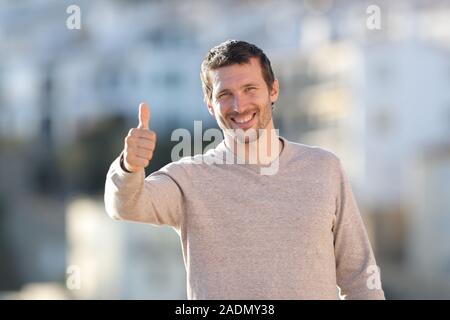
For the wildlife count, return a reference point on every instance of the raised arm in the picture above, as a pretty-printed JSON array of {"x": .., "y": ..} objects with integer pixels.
[{"x": 157, "y": 199}]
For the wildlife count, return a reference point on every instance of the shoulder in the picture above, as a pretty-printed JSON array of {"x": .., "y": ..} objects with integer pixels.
[
  {"x": 185, "y": 166},
  {"x": 318, "y": 162},
  {"x": 314, "y": 154}
]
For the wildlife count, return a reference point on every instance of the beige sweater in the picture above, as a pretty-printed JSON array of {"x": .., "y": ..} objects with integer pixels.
[{"x": 296, "y": 234}]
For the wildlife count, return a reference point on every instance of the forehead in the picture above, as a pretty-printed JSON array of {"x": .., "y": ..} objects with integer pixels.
[{"x": 236, "y": 75}]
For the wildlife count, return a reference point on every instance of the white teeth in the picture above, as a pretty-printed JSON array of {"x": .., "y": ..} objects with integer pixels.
[{"x": 244, "y": 120}]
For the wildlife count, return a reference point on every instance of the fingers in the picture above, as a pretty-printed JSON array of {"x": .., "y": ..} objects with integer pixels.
[
  {"x": 145, "y": 154},
  {"x": 134, "y": 142},
  {"x": 142, "y": 133},
  {"x": 144, "y": 116},
  {"x": 137, "y": 157},
  {"x": 136, "y": 153},
  {"x": 134, "y": 162},
  {"x": 146, "y": 144},
  {"x": 135, "y": 139}
]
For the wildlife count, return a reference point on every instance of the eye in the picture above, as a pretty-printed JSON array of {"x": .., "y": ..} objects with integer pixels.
[
  {"x": 222, "y": 95},
  {"x": 249, "y": 89}
]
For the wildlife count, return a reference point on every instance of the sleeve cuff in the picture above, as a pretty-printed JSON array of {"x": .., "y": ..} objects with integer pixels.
[{"x": 122, "y": 164}]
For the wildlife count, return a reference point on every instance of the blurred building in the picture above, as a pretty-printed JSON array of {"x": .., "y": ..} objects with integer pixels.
[{"x": 121, "y": 260}]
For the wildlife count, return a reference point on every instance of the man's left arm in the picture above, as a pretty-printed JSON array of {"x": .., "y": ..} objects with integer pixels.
[{"x": 357, "y": 273}]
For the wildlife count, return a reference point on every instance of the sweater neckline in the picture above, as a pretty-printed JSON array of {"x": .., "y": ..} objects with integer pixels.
[{"x": 229, "y": 157}]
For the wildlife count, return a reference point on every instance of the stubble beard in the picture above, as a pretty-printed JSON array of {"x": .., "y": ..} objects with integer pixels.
[{"x": 252, "y": 134}]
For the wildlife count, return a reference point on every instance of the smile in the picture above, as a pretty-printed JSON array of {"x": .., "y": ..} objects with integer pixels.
[{"x": 243, "y": 120}]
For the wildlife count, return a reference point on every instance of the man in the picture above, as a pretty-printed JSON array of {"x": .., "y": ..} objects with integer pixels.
[{"x": 295, "y": 233}]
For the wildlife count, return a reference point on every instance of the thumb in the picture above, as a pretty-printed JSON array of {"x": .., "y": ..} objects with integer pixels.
[{"x": 144, "y": 116}]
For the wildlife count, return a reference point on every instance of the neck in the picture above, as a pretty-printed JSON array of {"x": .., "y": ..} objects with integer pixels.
[{"x": 262, "y": 151}]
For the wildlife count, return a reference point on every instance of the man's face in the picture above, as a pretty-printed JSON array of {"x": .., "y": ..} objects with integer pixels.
[{"x": 241, "y": 98}]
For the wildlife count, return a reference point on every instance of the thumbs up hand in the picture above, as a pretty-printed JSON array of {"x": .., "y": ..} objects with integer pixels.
[{"x": 140, "y": 142}]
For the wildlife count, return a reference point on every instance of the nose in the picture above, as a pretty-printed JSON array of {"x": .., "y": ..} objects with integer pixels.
[{"x": 238, "y": 104}]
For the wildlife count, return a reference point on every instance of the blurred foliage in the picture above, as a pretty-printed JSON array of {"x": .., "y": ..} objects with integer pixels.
[
  {"x": 84, "y": 162},
  {"x": 9, "y": 282}
]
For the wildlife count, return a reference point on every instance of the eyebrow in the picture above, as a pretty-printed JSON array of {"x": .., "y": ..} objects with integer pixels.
[{"x": 243, "y": 86}]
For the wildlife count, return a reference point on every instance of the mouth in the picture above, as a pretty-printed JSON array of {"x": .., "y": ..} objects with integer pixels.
[{"x": 244, "y": 121}]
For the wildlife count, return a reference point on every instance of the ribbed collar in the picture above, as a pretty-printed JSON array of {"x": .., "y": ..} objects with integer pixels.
[{"x": 229, "y": 157}]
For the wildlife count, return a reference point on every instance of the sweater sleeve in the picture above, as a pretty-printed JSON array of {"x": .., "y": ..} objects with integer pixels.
[
  {"x": 157, "y": 199},
  {"x": 357, "y": 274}
]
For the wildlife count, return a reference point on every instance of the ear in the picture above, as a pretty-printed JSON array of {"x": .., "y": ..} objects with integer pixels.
[
  {"x": 275, "y": 90},
  {"x": 210, "y": 108}
]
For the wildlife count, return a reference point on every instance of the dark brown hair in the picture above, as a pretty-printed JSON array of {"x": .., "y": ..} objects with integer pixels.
[{"x": 233, "y": 52}]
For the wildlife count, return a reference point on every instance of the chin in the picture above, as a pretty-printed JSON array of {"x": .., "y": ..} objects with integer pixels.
[{"x": 246, "y": 136}]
